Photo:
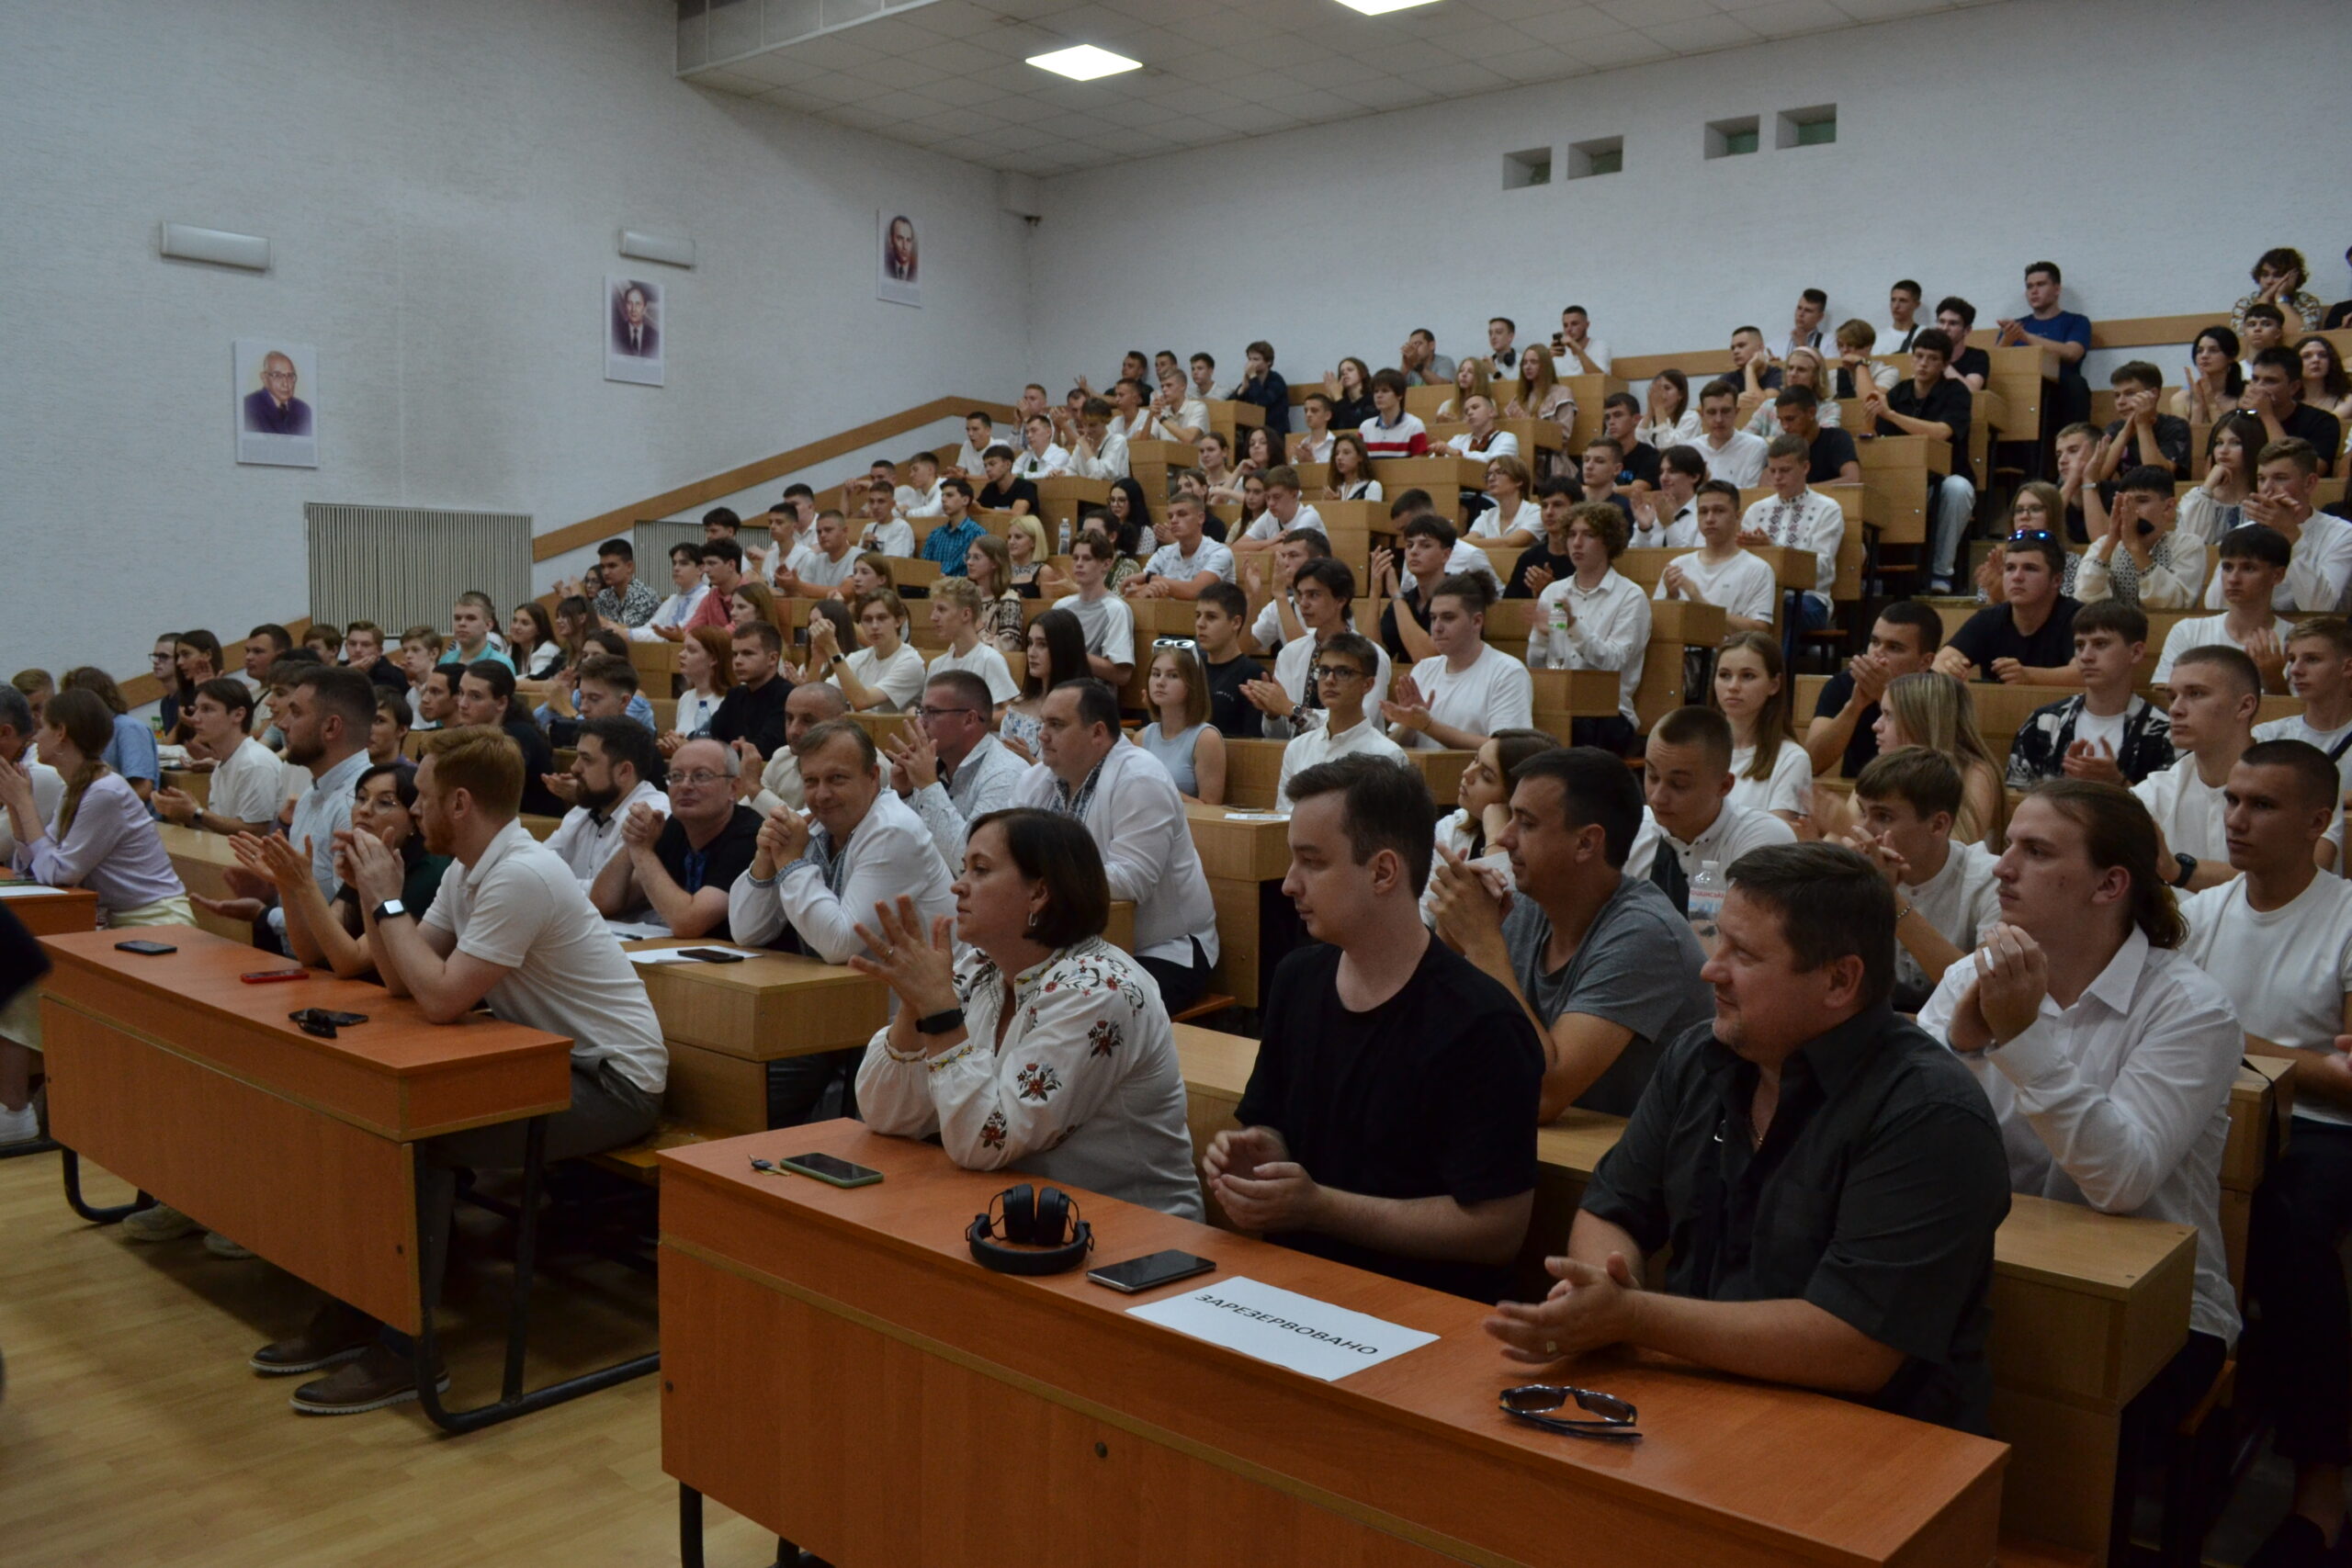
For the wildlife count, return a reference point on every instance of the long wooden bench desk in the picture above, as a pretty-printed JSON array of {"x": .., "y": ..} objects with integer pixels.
[
  {"x": 838, "y": 1369},
  {"x": 48, "y": 912},
  {"x": 195, "y": 1086},
  {"x": 2086, "y": 1307}
]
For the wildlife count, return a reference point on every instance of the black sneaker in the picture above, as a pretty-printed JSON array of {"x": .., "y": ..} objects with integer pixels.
[
  {"x": 380, "y": 1376},
  {"x": 335, "y": 1333}
]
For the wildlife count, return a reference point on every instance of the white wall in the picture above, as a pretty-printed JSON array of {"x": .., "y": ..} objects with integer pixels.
[
  {"x": 1969, "y": 143},
  {"x": 443, "y": 184}
]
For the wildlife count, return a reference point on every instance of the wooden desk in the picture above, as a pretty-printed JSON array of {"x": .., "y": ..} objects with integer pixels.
[
  {"x": 178, "y": 1077},
  {"x": 1228, "y": 418},
  {"x": 836, "y": 1367},
  {"x": 1245, "y": 863},
  {"x": 1061, "y": 497},
  {"x": 1253, "y": 769},
  {"x": 195, "y": 782},
  {"x": 1534, "y": 434},
  {"x": 1444, "y": 477},
  {"x": 2086, "y": 1307},
  {"x": 203, "y": 861},
  {"x": 657, "y": 666},
  {"x": 48, "y": 911}
]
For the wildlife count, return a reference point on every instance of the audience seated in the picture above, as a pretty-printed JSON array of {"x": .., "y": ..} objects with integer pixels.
[
  {"x": 2319, "y": 567},
  {"x": 2068, "y": 334},
  {"x": 1718, "y": 572},
  {"x": 1263, "y": 385},
  {"x": 2030, "y": 635},
  {"x": 1595, "y": 619},
  {"x": 1391, "y": 431},
  {"x": 1291, "y": 701},
  {"x": 1731, "y": 454},
  {"x": 1344, "y": 668},
  {"x": 1691, "y": 822},
  {"x": 1482, "y": 810},
  {"x": 947, "y": 766},
  {"x": 19, "y": 730},
  {"x": 679, "y": 859},
  {"x": 1177, "y": 729},
  {"x": 2319, "y": 672},
  {"x": 1104, "y": 618},
  {"x": 2255, "y": 560},
  {"x": 1858, "y": 1259},
  {"x": 243, "y": 794},
  {"x": 2273, "y": 394},
  {"x": 1547, "y": 560},
  {"x": 1575, "y": 340},
  {"x": 1605, "y": 967},
  {"x": 956, "y": 604},
  {"x": 1389, "y": 1122},
  {"x": 511, "y": 928},
  {"x": 777, "y": 784},
  {"x": 98, "y": 835},
  {"x": 1637, "y": 460},
  {"x": 334, "y": 936},
  {"x": 2108, "y": 732},
  {"x": 1041, "y": 1049},
  {"x": 1466, "y": 690},
  {"x": 1218, "y": 616},
  {"x": 1907, "y": 803},
  {"x": 884, "y": 674},
  {"x": 1189, "y": 561},
  {"x": 1831, "y": 457},
  {"x": 2141, "y": 435},
  {"x": 1799, "y": 517},
  {"x": 1129, "y": 803},
  {"x": 1770, "y": 772},
  {"x": 2139, "y": 557},
  {"x": 2216, "y": 691},
  {"x": 486, "y": 697},
  {"x": 1668, "y": 517}
]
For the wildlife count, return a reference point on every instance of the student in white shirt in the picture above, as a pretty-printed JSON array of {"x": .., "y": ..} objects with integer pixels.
[
  {"x": 2108, "y": 1056},
  {"x": 2253, "y": 564},
  {"x": 1468, "y": 691},
  {"x": 1130, "y": 419},
  {"x": 1101, "y": 452},
  {"x": 979, "y": 434},
  {"x": 1731, "y": 454},
  {"x": 1718, "y": 572},
  {"x": 918, "y": 497},
  {"x": 1350, "y": 470},
  {"x": 1689, "y": 821},
  {"x": 615, "y": 764},
  {"x": 814, "y": 573},
  {"x": 1313, "y": 444},
  {"x": 1284, "y": 510},
  {"x": 1595, "y": 619},
  {"x": 1109, "y": 624},
  {"x": 1189, "y": 561},
  {"x": 2138, "y": 555},
  {"x": 1040, "y": 458},
  {"x": 1805, "y": 328},
  {"x": 245, "y": 788},
  {"x": 1666, "y": 518},
  {"x": 669, "y": 622},
  {"x": 1771, "y": 771},
  {"x": 1668, "y": 419},
  {"x": 955, "y": 606},
  {"x": 891, "y": 536},
  {"x": 2285, "y": 479},
  {"x": 1512, "y": 519},
  {"x": 1344, "y": 670},
  {"x": 1175, "y": 416},
  {"x": 1945, "y": 892},
  {"x": 1800, "y": 517},
  {"x": 509, "y": 928},
  {"x": 1590, "y": 356},
  {"x": 884, "y": 674},
  {"x": 2278, "y": 938},
  {"x": 1484, "y": 438},
  {"x": 2215, "y": 694},
  {"x": 1130, "y": 806},
  {"x": 2319, "y": 672},
  {"x": 948, "y": 767},
  {"x": 1322, "y": 589}
]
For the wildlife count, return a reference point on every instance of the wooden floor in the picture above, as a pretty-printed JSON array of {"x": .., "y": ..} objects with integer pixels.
[{"x": 132, "y": 1433}]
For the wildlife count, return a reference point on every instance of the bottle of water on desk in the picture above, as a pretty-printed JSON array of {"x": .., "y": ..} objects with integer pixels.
[{"x": 1707, "y": 890}]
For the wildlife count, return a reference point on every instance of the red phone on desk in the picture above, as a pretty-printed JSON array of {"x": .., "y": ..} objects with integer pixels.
[{"x": 264, "y": 977}]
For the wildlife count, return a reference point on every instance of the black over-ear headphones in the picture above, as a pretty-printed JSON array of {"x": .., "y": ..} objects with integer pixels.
[{"x": 1037, "y": 1219}]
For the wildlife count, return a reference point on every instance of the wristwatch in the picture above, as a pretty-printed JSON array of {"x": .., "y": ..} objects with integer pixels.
[
  {"x": 388, "y": 909},
  {"x": 940, "y": 1022},
  {"x": 2187, "y": 869}
]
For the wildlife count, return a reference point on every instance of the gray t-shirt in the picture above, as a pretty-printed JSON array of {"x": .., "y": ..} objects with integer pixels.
[{"x": 1637, "y": 967}]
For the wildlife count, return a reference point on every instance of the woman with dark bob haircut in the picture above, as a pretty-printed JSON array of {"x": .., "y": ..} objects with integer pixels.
[{"x": 1043, "y": 1049}]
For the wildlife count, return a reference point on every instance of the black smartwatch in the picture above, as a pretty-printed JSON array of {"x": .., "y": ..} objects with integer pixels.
[
  {"x": 940, "y": 1022},
  {"x": 2187, "y": 869},
  {"x": 388, "y": 909}
]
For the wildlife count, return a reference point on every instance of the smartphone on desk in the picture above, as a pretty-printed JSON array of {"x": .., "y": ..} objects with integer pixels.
[
  {"x": 832, "y": 1169},
  {"x": 710, "y": 954},
  {"x": 1149, "y": 1272},
  {"x": 145, "y": 949}
]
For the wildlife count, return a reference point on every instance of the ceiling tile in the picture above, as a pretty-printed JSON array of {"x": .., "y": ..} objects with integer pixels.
[
  {"x": 1621, "y": 48},
  {"x": 1783, "y": 19},
  {"x": 1701, "y": 34},
  {"x": 1655, "y": 13}
]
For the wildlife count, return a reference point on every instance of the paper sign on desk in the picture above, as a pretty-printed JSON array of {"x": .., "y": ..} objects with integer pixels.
[
  {"x": 28, "y": 890},
  {"x": 1284, "y": 1328}
]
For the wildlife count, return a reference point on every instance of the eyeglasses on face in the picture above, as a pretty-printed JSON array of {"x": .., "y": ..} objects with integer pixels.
[
  {"x": 1337, "y": 672},
  {"x": 700, "y": 778},
  {"x": 929, "y": 712},
  {"x": 1533, "y": 1402}
]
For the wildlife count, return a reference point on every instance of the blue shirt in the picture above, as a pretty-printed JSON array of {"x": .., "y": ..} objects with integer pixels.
[
  {"x": 948, "y": 543},
  {"x": 2064, "y": 327},
  {"x": 131, "y": 752}
]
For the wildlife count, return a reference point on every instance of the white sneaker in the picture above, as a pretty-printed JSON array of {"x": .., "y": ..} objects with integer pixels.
[
  {"x": 221, "y": 1247},
  {"x": 19, "y": 1126},
  {"x": 161, "y": 1222}
]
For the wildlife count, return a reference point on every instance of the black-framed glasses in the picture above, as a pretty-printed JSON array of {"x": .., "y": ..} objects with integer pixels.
[
  {"x": 1338, "y": 673},
  {"x": 1533, "y": 1402}
]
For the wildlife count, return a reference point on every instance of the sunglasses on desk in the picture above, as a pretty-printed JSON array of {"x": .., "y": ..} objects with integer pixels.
[{"x": 1533, "y": 1403}]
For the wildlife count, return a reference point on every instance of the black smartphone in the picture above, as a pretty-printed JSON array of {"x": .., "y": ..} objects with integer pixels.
[
  {"x": 1149, "y": 1272},
  {"x": 711, "y": 954},
  {"x": 832, "y": 1169},
  {"x": 148, "y": 949}
]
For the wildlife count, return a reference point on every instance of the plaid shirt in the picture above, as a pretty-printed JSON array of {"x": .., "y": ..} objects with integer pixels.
[{"x": 2040, "y": 750}]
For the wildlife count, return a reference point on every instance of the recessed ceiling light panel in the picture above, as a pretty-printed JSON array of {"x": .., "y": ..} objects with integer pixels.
[
  {"x": 1084, "y": 62},
  {"x": 1381, "y": 7}
]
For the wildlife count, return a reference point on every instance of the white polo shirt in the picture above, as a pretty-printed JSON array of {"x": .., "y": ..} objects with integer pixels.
[
  {"x": 985, "y": 662},
  {"x": 1496, "y": 693},
  {"x": 249, "y": 785}
]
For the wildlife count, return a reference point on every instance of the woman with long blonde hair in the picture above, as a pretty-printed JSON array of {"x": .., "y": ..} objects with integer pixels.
[
  {"x": 990, "y": 565},
  {"x": 1470, "y": 380},
  {"x": 1935, "y": 711},
  {"x": 1540, "y": 394}
]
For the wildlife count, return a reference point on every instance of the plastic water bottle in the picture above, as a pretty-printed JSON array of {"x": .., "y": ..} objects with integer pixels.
[
  {"x": 1065, "y": 537},
  {"x": 1707, "y": 890}
]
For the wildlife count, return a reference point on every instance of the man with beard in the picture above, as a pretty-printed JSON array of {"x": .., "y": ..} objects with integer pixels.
[{"x": 616, "y": 767}]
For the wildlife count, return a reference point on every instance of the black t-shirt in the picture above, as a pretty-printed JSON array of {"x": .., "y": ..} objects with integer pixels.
[
  {"x": 1538, "y": 554},
  {"x": 1832, "y": 450},
  {"x": 2339, "y": 315},
  {"x": 1432, "y": 1093},
  {"x": 757, "y": 716},
  {"x": 1389, "y": 637},
  {"x": 1000, "y": 498},
  {"x": 1947, "y": 403},
  {"x": 1974, "y": 362},
  {"x": 1233, "y": 714},
  {"x": 1351, "y": 413},
  {"x": 1641, "y": 467},
  {"x": 2172, "y": 449},
  {"x": 539, "y": 756},
  {"x": 1861, "y": 747},
  {"x": 718, "y": 863},
  {"x": 1992, "y": 632},
  {"x": 2320, "y": 428}
]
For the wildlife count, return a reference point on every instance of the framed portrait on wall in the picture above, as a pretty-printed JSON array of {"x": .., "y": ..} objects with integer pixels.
[
  {"x": 635, "y": 324},
  {"x": 898, "y": 263},
  {"x": 276, "y": 400}
]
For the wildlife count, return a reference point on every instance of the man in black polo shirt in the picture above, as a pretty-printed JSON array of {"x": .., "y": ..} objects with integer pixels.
[
  {"x": 1843, "y": 736},
  {"x": 1829, "y": 1177},
  {"x": 1637, "y": 460},
  {"x": 1933, "y": 404},
  {"x": 1003, "y": 492},
  {"x": 1830, "y": 457},
  {"x": 2030, "y": 638},
  {"x": 682, "y": 866},
  {"x": 1390, "y": 1121},
  {"x": 753, "y": 707}
]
